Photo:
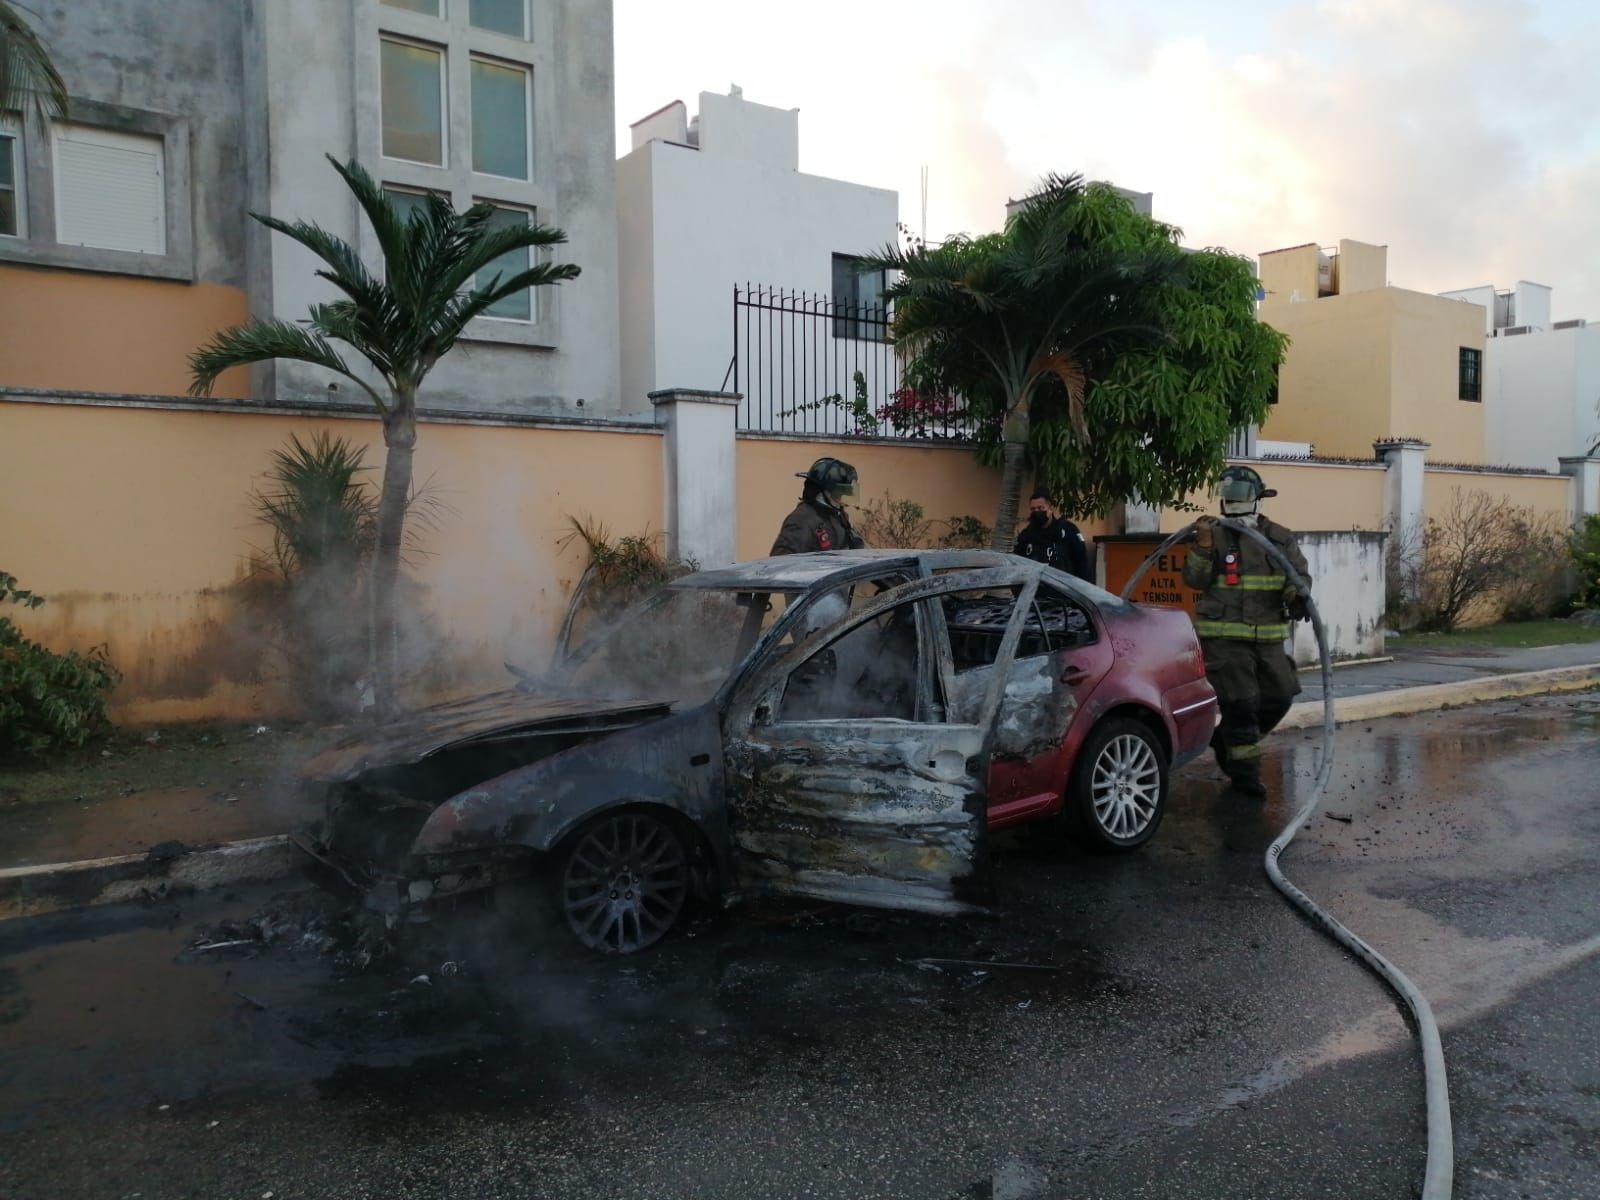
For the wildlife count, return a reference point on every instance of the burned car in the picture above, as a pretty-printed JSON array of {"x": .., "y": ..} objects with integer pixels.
[{"x": 845, "y": 726}]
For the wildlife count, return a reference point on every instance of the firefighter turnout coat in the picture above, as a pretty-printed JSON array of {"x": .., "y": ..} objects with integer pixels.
[
  {"x": 1247, "y": 598},
  {"x": 813, "y": 526}
]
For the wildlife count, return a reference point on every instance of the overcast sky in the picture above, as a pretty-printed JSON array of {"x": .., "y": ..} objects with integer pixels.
[{"x": 1463, "y": 134}]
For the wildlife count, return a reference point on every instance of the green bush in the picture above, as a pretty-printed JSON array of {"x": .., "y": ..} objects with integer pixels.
[
  {"x": 47, "y": 700},
  {"x": 1586, "y": 558}
]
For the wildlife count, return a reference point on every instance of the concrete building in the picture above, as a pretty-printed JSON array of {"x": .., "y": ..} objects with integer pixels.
[
  {"x": 1369, "y": 362},
  {"x": 1541, "y": 379},
  {"x": 716, "y": 200},
  {"x": 131, "y": 240}
]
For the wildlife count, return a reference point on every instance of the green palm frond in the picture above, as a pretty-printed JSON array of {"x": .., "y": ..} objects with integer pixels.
[
  {"x": 405, "y": 320},
  {"x": 462, "y": 308},
  {"x": 262, "y": 341},
  {"x": 29, "y": 81}
]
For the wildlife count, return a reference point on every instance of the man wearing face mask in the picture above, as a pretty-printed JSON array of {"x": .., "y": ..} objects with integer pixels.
[
  {"x": 1052, "y": 539},
  {"x": 819, "y": 521},
  {"x": 1243, "y": 619}
]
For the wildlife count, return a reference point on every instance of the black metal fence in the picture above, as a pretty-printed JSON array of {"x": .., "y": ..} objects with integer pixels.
[{"x": 808, "y": 365}]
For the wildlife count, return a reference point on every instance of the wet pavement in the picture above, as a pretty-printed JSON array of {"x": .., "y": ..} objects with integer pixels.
[{"x": 1194, "y": 1037}]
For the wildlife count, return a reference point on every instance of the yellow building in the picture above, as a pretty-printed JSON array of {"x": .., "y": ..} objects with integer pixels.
[{"x": 1369, "y": 362}]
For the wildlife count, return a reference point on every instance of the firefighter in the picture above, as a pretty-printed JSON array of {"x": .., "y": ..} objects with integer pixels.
[
  {"x": 1051, "y": 538},
  {"x": 819, "y": 521},
  {"x": 1243, "y": 619}
]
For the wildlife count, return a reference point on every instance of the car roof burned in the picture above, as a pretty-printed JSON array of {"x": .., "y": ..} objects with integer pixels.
[{"x": 800, "y": 572}]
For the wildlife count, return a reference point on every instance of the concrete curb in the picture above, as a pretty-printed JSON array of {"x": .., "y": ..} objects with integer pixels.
[
  {"x": 1400, "y": 701},
  {"x": 176, "y": 870},
  {"x": 163, "y": 871}
]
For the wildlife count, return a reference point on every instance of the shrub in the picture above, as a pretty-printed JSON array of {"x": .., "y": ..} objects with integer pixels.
[
  {"x": 47, "y": 700},
  {"x": 1481, "y": 556},
  {"x": 891, "y": 524},
  {"x": 313, "y": 582},
  {"x": 1585, "y": 550},
  {"x": 620, "y": 572}
]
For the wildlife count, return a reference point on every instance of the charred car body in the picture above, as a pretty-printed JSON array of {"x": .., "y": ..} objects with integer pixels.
[{"x": 845, "y": 726}]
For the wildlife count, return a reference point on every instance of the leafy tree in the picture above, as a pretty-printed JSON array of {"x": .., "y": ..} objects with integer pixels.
[
  {"x": 402, "y": 324},
  {"x": 29, "y": 81},
  {"x": 1161, "y": 411},
  {"x": 1008, "y": 318},
  {"x": 1135, "y": 393}
]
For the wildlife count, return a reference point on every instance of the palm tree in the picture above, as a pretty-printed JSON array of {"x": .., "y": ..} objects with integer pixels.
[
  {"x": 1002, "y": 318},
  {"x": 402, "y": 324},
  {"x": 29, "y": 82}
]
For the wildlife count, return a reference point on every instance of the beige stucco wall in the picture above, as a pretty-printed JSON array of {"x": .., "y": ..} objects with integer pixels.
[
  {"x": 137, "y": 525},
  {"x": 1549, "y": 495},
  {"x": 75, "y": 331},
  {"x": 1320, "y": 496},
  {"x": 1360, "y": 267},
  {"x": 1428, "y": 333},
  {"x": 1334, "y": 385},
  {"x": 1372, "y": 365},
  {"x": 1287, "y": 274},
  {"x": 946, "y": 481}
]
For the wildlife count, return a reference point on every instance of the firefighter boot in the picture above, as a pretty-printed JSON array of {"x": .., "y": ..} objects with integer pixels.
[{"x": 1243, "y": 768}]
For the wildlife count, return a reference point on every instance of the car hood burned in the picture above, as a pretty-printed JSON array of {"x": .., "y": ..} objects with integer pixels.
[{"x": 476, "y": 721}]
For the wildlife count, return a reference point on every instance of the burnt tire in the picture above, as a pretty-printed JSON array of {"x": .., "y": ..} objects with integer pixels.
[
  {"x": 622, "y": 880},
  {"x": 1118, "y": 791}
]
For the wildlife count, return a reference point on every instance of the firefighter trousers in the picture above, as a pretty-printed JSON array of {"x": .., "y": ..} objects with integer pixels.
[{"x": 1255, "y": 684}]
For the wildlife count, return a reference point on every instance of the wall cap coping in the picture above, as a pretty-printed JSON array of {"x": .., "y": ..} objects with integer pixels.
[
  {"x": 1286, "y": 460},
  {"x": 1156, "y": 538},
  {"x": 1503, "y": 472},
  {"x": 1403, "y": 443},
  {"x": 694, "y": 396},
  {"x": 343, "y": 409},
  {"x": 855, "y": 439},
  {"x": 1579, "y": 459}
]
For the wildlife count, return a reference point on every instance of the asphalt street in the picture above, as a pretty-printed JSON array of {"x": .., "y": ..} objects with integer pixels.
[{"x": 1167, "y": 1026}]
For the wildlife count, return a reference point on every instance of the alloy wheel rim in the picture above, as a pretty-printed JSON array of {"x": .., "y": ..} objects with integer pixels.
[
  {"x": 1126, "y": 787},
  {"x": 625, "y": 884}
]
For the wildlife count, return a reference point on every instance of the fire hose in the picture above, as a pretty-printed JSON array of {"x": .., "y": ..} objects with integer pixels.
[{"x": 1439, "y": 1174}]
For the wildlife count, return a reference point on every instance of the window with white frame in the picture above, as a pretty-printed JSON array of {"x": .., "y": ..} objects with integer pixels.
[
  {"x": 110, "y": 189},
  {"x": 518, "y": 306},
  {"x": 428, "y": 8},
  {"x": 509, "y": 17},
  {"x": 413, "y": 99},
  {"x": 406, "y": 200},
  {"x": 12, "y": 206},
  {"x": 500, "y": 118}
]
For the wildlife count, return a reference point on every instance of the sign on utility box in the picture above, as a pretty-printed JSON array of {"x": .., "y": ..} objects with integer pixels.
[{"x": 1162, "y": 584}]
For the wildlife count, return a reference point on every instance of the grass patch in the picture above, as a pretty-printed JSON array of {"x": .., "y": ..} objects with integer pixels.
[
  {"x": 1509, "y": 635},
  {"x": 203, "y": 754}
]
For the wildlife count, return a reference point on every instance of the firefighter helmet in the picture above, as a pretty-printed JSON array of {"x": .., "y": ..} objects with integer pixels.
[
  {"x": 1240, "y": 485},
  {"x": 832, "y": 475}
]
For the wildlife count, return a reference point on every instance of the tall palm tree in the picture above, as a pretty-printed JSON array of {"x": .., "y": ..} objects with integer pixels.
[
  {"x": 1002, "y": 318},
  {"x": 29, "y": 82},
  {"x": 402, "y": 324}
]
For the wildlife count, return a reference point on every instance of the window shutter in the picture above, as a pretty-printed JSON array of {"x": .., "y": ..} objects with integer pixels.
[{"x": 110, "y": 190}]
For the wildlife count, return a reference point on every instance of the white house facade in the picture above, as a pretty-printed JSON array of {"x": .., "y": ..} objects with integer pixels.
[
  {"x": 1541, "y": 378},
  {"x": 716, "y": 201}
]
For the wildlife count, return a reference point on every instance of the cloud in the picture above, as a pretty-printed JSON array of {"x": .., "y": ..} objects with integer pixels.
[{"x": 1461, "y": 133}]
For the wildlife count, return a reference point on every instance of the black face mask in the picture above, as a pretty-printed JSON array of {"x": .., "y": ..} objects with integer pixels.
[{"x": 1038, "y": 520}]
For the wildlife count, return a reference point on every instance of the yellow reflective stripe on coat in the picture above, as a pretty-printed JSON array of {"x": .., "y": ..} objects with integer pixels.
[
  {"x": 1256, "y": 583},
  {"x": 1238, "y": 629},
  {"x": 1245, "y": 753}
]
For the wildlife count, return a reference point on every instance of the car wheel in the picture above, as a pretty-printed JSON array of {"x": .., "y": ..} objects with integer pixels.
[
  {"x": 622, "y": 881},
  {"x": 1118, "y": 792}
]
